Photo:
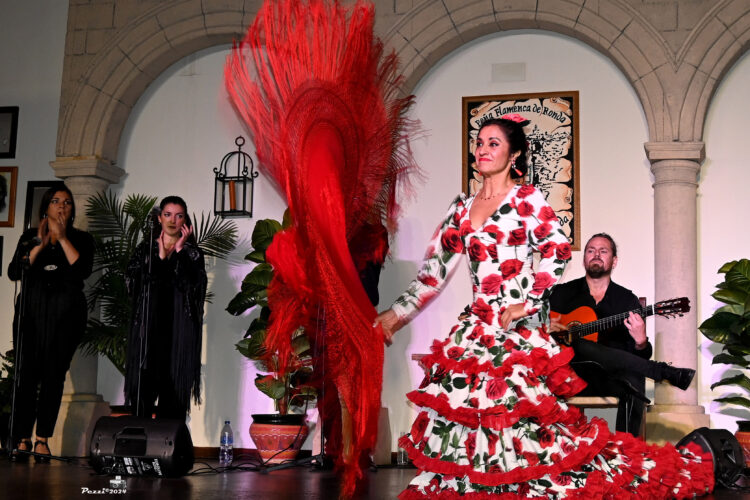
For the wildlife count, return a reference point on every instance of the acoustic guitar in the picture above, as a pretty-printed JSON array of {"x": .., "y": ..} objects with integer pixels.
[{"x": 582, "y": 322}]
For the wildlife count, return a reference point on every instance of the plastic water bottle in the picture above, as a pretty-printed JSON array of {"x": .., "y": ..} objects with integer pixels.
[{"x": 225, "y": 445}]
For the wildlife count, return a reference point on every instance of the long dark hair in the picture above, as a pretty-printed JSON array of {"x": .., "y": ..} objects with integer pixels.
[
  {"x": 516, "y": 139},
  {"x": 47, "y": 198}
]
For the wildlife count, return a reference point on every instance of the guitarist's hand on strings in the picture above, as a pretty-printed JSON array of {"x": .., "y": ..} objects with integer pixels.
[
  {"x": 556, "y": 326},
  {"x": 637, "y": 329}
]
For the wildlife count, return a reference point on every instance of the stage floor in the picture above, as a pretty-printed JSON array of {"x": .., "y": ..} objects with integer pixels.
[{"x": 63, "y": 481}]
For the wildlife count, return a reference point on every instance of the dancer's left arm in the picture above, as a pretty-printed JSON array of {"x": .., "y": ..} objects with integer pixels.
[{"x": 546, "y": 237}]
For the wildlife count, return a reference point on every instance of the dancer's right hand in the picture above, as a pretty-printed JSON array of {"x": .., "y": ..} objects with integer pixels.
[{"x": 389, "y": 322}]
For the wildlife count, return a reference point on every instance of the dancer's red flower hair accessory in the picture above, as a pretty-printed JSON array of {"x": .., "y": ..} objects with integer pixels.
[{"x": 514, "y": 117}]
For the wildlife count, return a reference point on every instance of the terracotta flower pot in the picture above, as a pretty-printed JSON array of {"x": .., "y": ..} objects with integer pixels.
[
  {"x": 743, "y": 436},
  {"x": 278, "y": 438}
]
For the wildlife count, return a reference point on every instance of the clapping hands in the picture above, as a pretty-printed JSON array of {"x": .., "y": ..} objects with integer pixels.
[
  {"x": 52, "y": 227},
  {"x": 165, "y": 250}
]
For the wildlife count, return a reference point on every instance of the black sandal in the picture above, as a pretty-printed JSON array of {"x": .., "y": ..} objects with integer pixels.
[
  {"x": 40, "y": 458},
  {"x": 23, "y": 456}
]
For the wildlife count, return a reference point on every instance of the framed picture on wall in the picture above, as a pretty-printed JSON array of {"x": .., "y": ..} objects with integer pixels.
[
  {"x": 8, "y": 180},
  {"x": 34, "y": 192},
  {"x": 8, "y": 131},
  {"x": 551, "y": 126}
]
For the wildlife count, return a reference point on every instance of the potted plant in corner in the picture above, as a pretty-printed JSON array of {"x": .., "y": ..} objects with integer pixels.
[
  {"x": 278, "y": 437},
  {"x": 7, "y": 372},
  {"x": 729, "y": 326}
]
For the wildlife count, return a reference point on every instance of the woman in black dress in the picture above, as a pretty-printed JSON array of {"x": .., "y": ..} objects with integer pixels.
[
  {"x": 53, "y": 260},
  {"x": 167, "y": 280}
]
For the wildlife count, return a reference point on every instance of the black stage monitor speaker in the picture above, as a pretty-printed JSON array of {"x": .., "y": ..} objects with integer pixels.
[
  {"x": 135, "y": 446},
  {"x": 725, "y": 451}
]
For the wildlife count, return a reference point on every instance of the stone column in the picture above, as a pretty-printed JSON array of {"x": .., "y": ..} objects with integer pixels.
[
  {"x": 675, "y": 166},
  {"x": 81, "y": 405}
]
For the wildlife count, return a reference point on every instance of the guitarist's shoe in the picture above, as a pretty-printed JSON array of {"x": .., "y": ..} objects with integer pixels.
[{"x": 678, "y": 377}]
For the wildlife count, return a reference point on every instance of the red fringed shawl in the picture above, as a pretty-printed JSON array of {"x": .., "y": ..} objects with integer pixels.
[{"x": 320, "y": 98}]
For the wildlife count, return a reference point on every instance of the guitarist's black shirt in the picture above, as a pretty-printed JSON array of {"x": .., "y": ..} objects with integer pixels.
[{"x": 569, "y": 296}]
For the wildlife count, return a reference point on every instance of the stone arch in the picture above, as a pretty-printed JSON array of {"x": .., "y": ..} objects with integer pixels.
[
  {"x": 674, "y": 88},
  {"x": 97, "y": 107}
]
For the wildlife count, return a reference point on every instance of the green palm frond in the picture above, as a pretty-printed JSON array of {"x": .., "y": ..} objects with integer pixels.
[
  {"x": 215, "y": 236},
  {"x": 107, "y": 340}
]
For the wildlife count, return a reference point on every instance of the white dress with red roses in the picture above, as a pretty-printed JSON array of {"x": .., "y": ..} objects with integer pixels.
[{"x": 493, "y": 420}]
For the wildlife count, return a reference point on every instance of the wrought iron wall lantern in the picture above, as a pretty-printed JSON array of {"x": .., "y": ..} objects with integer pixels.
[{"x": 233, "y": 188}]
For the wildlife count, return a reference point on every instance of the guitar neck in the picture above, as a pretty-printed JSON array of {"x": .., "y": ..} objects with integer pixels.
[{"x": 579, "y": 331}]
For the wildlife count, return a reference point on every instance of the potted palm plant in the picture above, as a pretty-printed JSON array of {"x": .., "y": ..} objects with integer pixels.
[
  {"x": 117, "y": 227},
  {"x": 277, "y": 437},
  {"x": 729, "y": 326},
  {"x": 7, "y": 372}
]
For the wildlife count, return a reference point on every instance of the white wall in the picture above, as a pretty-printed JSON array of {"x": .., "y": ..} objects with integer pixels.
[
  {"x": 32, "y": 43},
  {"x": 723, "y": 208}
]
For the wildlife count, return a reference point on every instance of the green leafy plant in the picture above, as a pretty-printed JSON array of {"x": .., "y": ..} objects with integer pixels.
[
  {"x": 730, "y": 326},
  {"x": 117, "y": 227},
  {"x": 291, "y": 389},
  {"x": 7, "y": 371}
]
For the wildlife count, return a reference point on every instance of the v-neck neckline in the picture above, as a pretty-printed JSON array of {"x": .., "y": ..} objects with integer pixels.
[{"x": 510, "y": 192}]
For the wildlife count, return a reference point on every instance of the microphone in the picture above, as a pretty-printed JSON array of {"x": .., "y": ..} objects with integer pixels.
[
  {"x": 25, "y": 250},
  {"x": 36, "y": 240},
  {"x": 153, "y": 216}
]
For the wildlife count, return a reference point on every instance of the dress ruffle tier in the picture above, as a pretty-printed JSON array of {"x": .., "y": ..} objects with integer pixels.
[{"x": 490, "y": 430}]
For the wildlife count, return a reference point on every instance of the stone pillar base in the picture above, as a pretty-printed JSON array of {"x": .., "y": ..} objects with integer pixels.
[
  {"x": 75, "y": 424},
  {"x": 670, "y": 423}
]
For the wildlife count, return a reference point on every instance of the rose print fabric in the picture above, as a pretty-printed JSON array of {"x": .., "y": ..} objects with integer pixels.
[{"x": 493, "y": 422}]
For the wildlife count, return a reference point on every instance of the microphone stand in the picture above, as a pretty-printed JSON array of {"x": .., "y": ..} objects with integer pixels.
[
  {"x": 18, "y": 347},
  {"x": 145, "y": 318}
]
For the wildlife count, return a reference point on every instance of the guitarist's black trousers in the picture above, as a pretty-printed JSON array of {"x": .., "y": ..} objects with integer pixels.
[{"x": 614, "y": 372}]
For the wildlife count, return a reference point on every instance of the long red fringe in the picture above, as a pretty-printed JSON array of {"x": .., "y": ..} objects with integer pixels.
[{"x": 320, "y": 99}]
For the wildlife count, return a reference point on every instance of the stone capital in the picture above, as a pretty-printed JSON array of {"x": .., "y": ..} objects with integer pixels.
[
  {"x": 87, "y": 166},
  {"x": 676, "y": 162},
  {"x": 692, "y": 151}
]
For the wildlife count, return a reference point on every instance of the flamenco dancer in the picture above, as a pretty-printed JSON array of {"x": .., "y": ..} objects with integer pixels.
[
  {"x": 329, "y": 129},
  {"x": 493, "y": 420}
]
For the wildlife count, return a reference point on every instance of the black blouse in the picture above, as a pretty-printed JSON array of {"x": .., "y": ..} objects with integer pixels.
[{"x": 51, "y": 269}]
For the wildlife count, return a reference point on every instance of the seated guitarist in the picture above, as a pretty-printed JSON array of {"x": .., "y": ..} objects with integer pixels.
[{"x": 620, "y": 361}]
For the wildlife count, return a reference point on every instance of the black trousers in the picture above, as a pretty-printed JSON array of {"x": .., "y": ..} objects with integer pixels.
[
  {"x": 50, "y": 332},
  {"x": 156, "y": 384},
  {"x": 614, "y": 372},
  {"x": 156, "y": 376}
]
